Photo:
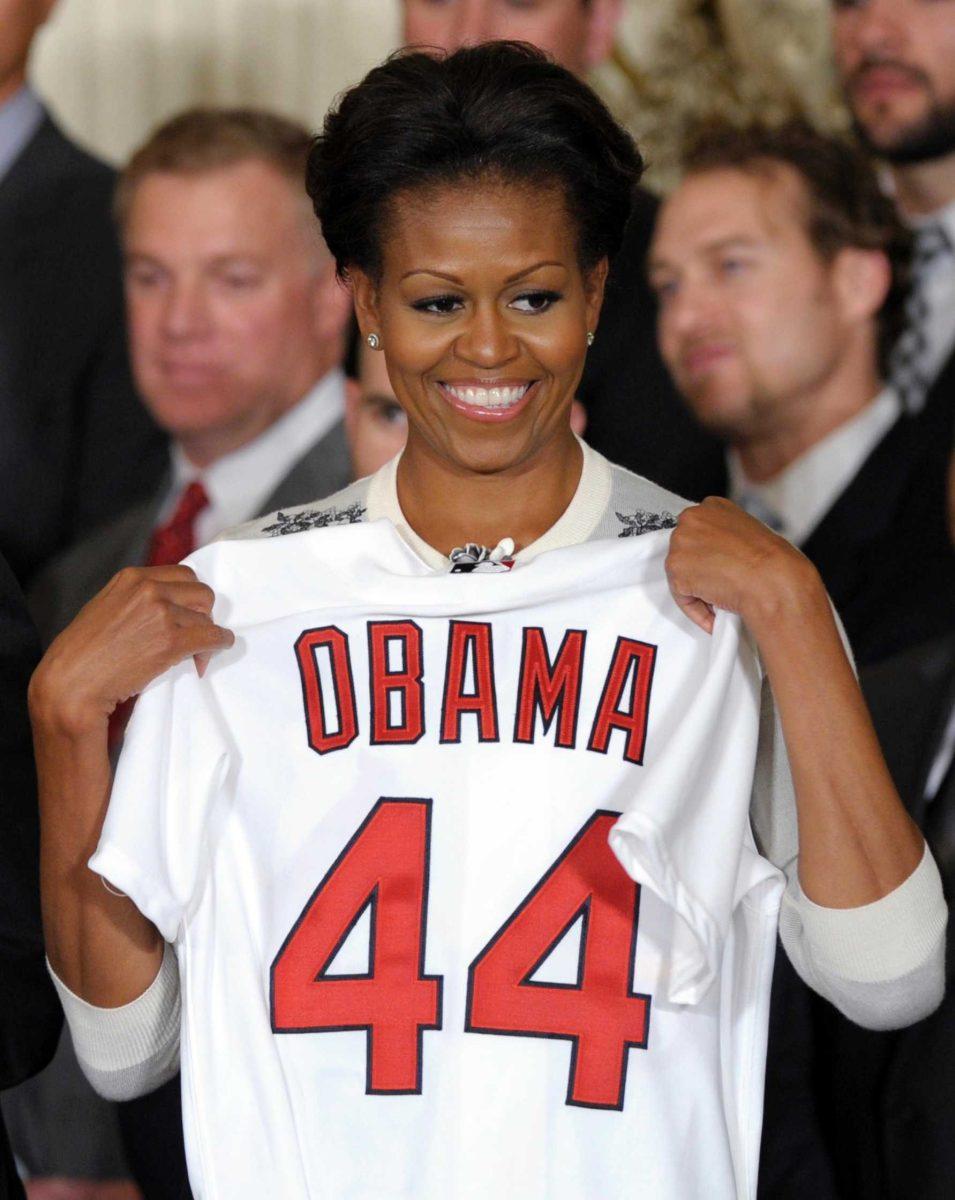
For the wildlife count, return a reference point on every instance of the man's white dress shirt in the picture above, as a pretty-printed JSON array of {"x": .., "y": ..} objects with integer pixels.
[
  {"x": 20, "y": 117},
  {"x": 239, "y": 483},
  {"x": 797, "y": 499}
]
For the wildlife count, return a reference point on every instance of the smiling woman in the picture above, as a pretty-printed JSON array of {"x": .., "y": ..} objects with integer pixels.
[
  {"x": 446, "y": 990},
  {"x": 484, "y": 351}
]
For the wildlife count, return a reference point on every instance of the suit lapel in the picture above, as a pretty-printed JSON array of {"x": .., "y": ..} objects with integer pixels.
[
  {"x": 24, "y": 192},
  {"x": 321, "y": 471}
]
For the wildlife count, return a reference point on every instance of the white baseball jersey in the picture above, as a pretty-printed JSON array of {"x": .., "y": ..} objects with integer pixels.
[{"x": 459, "y": 873}]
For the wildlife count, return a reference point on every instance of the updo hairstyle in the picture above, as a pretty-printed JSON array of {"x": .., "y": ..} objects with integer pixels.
[{"x": 501, "y": 111}]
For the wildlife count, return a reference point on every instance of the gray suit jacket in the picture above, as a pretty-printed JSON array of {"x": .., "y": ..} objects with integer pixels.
[
  {"x": 57, "y": 1124},
  {"x": 75, "y": 576}
]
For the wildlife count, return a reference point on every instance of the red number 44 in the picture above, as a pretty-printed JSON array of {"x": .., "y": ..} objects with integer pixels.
[{"x": 384, "y": 869}]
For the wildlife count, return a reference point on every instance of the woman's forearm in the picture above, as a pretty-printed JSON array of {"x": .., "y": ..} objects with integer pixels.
[
  {"x": 856, "y": 841},
  {"x": 143, "y": 622},
  {"x": 98, "y": 943}
]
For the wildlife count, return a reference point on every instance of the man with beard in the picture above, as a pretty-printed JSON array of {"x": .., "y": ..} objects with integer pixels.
[{"x": 896, "y": 59}]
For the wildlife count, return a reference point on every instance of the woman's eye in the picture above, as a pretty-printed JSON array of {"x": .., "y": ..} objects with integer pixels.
[
  {"x": 535, "y": 302},
  {"x": 443, "y": 305},
  {"x": 732, "y": 266}
]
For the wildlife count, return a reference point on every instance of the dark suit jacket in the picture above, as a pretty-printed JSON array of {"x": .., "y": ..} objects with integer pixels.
[
  {"x": 634, "y": 414},
  {"x": 76, "y": 446},
  {"x": 887, "y": 1100},
  {"x": 77, "y": 575},
  {"x": 30, "y": 1014},
  {"x": 884, "y": 549},
  {"x": 885, "y": 555},
  {"x": 151, "y": 1126}
]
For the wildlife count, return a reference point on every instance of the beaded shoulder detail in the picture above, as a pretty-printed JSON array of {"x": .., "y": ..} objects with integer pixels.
[
  {"x": 314, "y": 518},
  {"x": 640, "y": 522}
]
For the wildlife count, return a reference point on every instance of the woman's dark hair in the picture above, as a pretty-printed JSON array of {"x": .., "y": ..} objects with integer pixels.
[
  {"x": 502, "y": 111},
  {"x": 846, "y": 207}
]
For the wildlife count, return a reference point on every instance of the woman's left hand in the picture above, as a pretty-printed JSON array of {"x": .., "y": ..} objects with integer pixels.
[{"x": 721, "y": 557}]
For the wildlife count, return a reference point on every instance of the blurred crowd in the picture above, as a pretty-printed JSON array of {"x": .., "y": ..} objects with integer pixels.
[{"x": 177, "y": 357}]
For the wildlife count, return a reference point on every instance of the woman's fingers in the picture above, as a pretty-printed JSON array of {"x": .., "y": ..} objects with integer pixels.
[
  {"x": 722, "y": 558},
  {"x": 699, "y": 613},
  {"x": 143, "y": 622}
]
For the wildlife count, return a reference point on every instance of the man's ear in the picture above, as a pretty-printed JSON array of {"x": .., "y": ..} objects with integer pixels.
[
  {"x": 862, "y": 279},
  {"x": 365, "y": 296},
  {"x": 602, "y": 23}
]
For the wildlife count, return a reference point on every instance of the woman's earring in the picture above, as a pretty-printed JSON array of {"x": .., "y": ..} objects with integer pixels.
[
  {"x": 373, "y": 340},
  {"x": 590, "y": 337}
]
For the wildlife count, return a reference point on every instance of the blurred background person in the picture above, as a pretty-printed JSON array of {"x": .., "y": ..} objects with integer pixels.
[
  {"x": 76, "y": 447},
  {"x": 579, "y": 34},
  {"x": 237, "y": 334},
  {"x": 30, "y": 1015},
  {"x": 896, "y": 59},
  {"x": 780, "y": 267},
  {"x": 781, "y": 271},
  {"x": 633, "y": 413},
  {"x": 375, "y": 423}
]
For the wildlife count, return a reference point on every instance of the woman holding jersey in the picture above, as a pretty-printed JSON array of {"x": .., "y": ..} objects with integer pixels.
[{"x": 473, "y": 204}]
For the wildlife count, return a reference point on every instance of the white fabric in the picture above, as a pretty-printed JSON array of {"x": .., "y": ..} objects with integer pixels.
[
  {"x": 802, "y": 494},
  {"x": 938, "y": 291},
  {"x": 143, "y": 1034},
  {"x": 576, "y": 524},
  {"x": 238, "y": 484},
  {"x": 224, "y": 822},
  {"x": 842, "y": 937}
]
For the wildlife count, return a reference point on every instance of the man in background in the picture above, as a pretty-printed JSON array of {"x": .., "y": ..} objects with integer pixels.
[
  {"x": 896, "y": 59},
  {"x": 634, "y": 416},
  {"x": 781, "y": 271},
  {"x": 76, "y": 447},
  {"x": 375, "y": 423},
  {"x": 780, "y": 268},
  {"x": 237, "y": 328}
]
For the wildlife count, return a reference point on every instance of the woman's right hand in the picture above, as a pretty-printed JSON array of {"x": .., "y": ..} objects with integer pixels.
[{"x": 143, "y": 622}]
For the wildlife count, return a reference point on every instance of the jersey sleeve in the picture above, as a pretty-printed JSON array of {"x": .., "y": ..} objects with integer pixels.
[
  {"x": 170, "y": 780},
  {"x": 685, "y": 833}
]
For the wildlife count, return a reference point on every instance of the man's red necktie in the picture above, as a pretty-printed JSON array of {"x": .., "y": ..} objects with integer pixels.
[{"x": 170, "y": 543}]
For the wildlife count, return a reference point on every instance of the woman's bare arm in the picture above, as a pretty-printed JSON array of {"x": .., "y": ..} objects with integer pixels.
[
  {"x": 143, "y": 622},
  {"x": 856, "y": 841}
]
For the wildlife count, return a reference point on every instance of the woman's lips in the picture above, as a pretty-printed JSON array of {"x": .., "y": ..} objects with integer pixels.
[{"x": 488, "y": 402}]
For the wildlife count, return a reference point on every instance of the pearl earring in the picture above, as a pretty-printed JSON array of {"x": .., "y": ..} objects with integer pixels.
[
  {"x": 590, "y": 337},
  {"x": 373, "y": 340}
]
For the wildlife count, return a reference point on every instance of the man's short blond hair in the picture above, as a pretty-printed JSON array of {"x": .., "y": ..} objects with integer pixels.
[{"x": 204, "y": 139}]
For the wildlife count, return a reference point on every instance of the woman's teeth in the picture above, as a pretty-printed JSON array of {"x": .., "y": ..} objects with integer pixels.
[{"x": 489, "y": 397}]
